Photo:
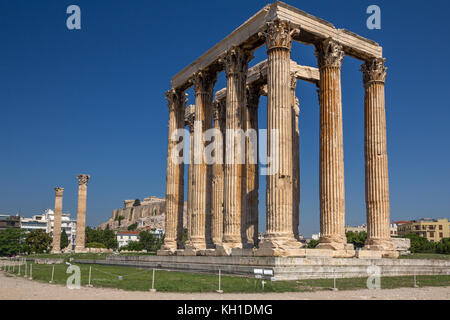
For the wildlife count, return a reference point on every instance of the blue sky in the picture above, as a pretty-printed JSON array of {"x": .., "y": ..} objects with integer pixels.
[{"x": 92, "y": 101}]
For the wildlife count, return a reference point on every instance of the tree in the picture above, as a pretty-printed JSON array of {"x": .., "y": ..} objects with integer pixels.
[
  {"x": 443, "y": 246},
  {"x": 38, "y": 241},
  {"x": 137, "y": 203},
  {"x": 132, "y": 227},
  {"x": 133, "y": 246},
  {"x": 12, "y": 242},
  {"x": 95, "y": 245},
  {"x": 64, "y": 239},
  {"x": 312, "y": 244},
  {"x": 107, "y": 237},
  {"x": 358, "y": 239},
  {"x": 119, "y": 218},
  {"x": 420, "y": 244},
  {"x": 149, "y": 241}
]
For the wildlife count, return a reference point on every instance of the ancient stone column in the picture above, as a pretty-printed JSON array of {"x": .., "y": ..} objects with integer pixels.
[
  {"x": 376, "y": 162},
  {"x": 217, "y": 203},
  {"x": 81, "y": 212},
  {"x": 201, "y": 189},
  {"x": 57, "y": 220},
  {"x": 331, "y": 167},
  {"x": 175, "y": 174},
  {"x": 236, "y": 66},
  {"x": 295, "y": 158},
  {"x": 190, "y": 118},
  {"x": 279, "y": 238},
  {"x": 251, "y": 154}
]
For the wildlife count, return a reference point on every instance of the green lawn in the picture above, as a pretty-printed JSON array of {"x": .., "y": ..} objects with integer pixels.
[
  {"x": 68, "y": 256},
  {"x": 437, "y": 256},
  {"x": 141, "y": 279}
]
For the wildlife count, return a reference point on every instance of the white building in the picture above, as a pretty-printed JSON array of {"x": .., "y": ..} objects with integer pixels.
[
  {"x": 45, "y": 222},
  {"x": 125, "y": 237}
]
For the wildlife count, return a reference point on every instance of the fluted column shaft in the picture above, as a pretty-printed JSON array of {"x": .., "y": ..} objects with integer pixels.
[
  {"x": 201, "y": 190},
  {"x": 190, "y": 123},
  {"x": 375, "y": 153},
  {"x": 217, "y": 203},
  {"x": 331, "y": 167},
  {"x": 252, "y": 174},
  {"x": 236, "y": 65},
  {"x": 81, "y": 212},
  {"x": 57, "y": 220},
  {"x": 295, "y": 158},
  {"x": 175, "y": 173}
]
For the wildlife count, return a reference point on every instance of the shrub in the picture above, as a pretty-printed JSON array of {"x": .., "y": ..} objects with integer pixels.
[{"x": 95, "y": 245}]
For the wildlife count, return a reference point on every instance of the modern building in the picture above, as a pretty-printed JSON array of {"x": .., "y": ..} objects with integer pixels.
[
  {"x": 45, "y": 222},
  {"x": 432, "y": 229},
  {"x": 125, "y": 237},
  {"x": 9, "y": 221},
  {"x": 363, "y": 228}
]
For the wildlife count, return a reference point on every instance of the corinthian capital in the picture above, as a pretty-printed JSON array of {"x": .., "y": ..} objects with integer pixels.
[
  {"x": 329, "y": 53},
  {"x": 374, "y": 71},
  {"x": 83, "y": 179},
  {"x": 189, "y": 117},
  {"x": 59, "y": 191},
  {"x": 204, "y": 82},
  {"x": 278, "y": 34},
  {"x": 236, "y": 61},
  {"x": 176, "y": 99}
]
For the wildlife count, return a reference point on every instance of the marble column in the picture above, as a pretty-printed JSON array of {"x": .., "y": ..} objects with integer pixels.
[
  {"x": 295, "y": 158},
  {"x": 252, "y": 174},
  {"x": 279, "y": 238},
  {"x": 331, "y": 167},
  {"x": 81, "y": 212},
  {"x": 201, "y": 189},
  {"x": 175, "y": 175},
  {"x": 57, "y": 220},
  {"x": 376, "y": 161},
  {"x": 236, "y": 66},
  {"x": 189, "y": 119},
  {"x": 217, "y": 203}
]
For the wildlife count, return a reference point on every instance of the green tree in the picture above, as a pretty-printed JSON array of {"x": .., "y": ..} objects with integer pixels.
[
  {"x": 95, "y": 245},
  {"x": 119, "y": 219},
  {"x": 420, "y": 244},
  {"x": 107, "y": 237},
  {"x": 312, "y": 244},
  {"x": 358, "y": 239},
  {"x": 137, "y": 203},
  {"x": 38, "y": 241},
  {"x": 149, "y": 241},
  {"x": 12, "y": 242},
  {"x": 132, "y": 227},
  {"x": 443, "y": 246},
  {"x": 133, "y": 246},
  {"x": 184, "y": 236},
  {"x": 64, "y": 239}
]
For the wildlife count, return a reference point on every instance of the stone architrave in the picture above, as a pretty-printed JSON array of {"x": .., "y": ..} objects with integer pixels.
[
  {"x": 201, "y": 186},
  {"x": 279, "y": 238},
  {"x": 236, "y": 66},
  {"x": 59, "y": 192},
  {"x": 81, "y": 212},
  {"x": 376, "y": 160}
]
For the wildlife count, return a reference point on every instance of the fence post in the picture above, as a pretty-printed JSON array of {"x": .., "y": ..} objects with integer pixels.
[
  {"x": 153, "y": 282},
  {"x": 334, "y": 281},
  {"x": 89, "y": 281},
  {"x": 220, "y": 282},
  {"x": 415, "y": 280},
  {"x": 53, "y": 273},
  {"x": 19, "y": 269},
  {"x": 31, "y": 272},
  {"x": 26, "y": 269}
]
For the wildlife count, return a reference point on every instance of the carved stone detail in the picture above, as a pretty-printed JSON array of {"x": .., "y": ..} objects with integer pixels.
[
  {"x": 278, "y": 34},
  {"x": 83, "y": 179},
  {"x": 374, "y": 71},
  {"x": 329, "y": 53}
]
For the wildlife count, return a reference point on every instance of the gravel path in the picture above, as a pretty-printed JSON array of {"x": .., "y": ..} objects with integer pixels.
[{"x": 18, "y": 288}]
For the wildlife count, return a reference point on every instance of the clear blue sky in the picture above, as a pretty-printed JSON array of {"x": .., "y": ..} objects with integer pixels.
[{"x": 92, "y": 101}]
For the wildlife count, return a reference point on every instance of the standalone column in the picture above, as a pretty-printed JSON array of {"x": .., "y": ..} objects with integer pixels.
[
  {"x": 175, "y": 174},
  {"x": 251, "y": 154},
  {"x": 295, "y": 158},
  {"x": 201, "y": 189},
  {"x": 331, "y": 166},
  {"x": 376, "y": 162},
  {"x": 190, "y": 118},
  {"x": 236, "y": 66},
  {"x": 81, "y": 212},
  {"x": 218, "y": 176},
  {"x": 279, "y": 239},
  {"x": 57, "y": 220}
]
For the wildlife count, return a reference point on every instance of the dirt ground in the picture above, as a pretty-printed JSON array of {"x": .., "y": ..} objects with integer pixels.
[{"x": 18, "y": 288}]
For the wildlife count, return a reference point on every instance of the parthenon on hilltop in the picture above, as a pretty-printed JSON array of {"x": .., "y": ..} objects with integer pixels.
[{"x": 222, "y": 198}]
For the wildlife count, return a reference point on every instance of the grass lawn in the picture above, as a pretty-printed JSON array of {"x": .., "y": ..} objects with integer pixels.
[
  {"x": 67, "y": 256},
  {"x": 437, "y": 256},
  {"x": 136, "y": 279}
]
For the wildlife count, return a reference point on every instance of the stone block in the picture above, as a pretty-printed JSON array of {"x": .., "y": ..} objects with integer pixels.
[
  {"x": 323, "y": 253},
  {"x": 368, "y": 254}
]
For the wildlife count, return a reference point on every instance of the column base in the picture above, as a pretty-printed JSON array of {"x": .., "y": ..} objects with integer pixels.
[
  {"x": 334, "y": 243},
  {"x": 280, "y": 247},
  {"x": 166, "y": 252},
  {"x": 385, "y": 246},
  {"x": 80, "y": 250},
  {"x": 226, "y": 248},
  {"x": 56, "y": 252}
]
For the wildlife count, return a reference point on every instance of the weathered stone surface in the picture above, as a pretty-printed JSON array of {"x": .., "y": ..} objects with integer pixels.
[
  {"x": 368, "y": 254},
  {"x": 402, "y": 245},
  {"x": 57, "y": 220},
  {"x": 81, "y": 212}
]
